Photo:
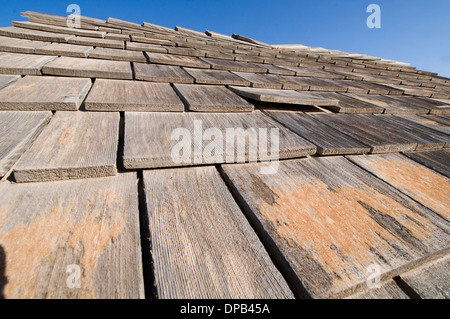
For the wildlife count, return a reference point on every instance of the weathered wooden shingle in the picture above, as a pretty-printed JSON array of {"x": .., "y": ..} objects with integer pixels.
[
  {"x": 92, "y": 68},
  {"x": 18, "y": 130},
  {"x": 437, "y": 160},
  {"x": 64, "y": 49},
  {"x": 347, "y": 104},
  {"x": 28, "y": 34},
  {"x": 73, "y": 145},
  {"x": 202, "y": 245},
  {"x": 23, "y": 64},
  {"x": 282, "y": 96},
  {"x": 431, "y": 281},
  {"x": 219, "y": 77},
  {"x": 20, "y": 45},
  {"x": 104, "y": 43},
  {"x": 44, "y": 93},
  {"x": 176, "y": 139},
  {"x": 161, "y": 73},
  {"x": 208, "y": 98},
  {"x": 171, "y": 59},
  {"x": 391, "y": 105},
  {"x": 63, "y": 229},
  {"x": 218, "y": 64},
  {"x": 118, "y": 55},
  {"x": 411, "y": 178},
  {"x": 332, "y": 220},
  {"x": 328, "y": 140},
  {"x": 6, "y": 80},
  {"x": 121, "y": 95}
]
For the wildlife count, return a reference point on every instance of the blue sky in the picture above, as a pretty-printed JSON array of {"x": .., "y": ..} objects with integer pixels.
[{"x": 414, "y": 31}]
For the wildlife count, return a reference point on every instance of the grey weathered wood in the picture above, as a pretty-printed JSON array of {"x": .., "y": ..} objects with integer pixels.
[
  {"x": 208, "y": 98},
  {"x": 264, "y": 81},
  {"x": 216, "y": 77},
  {"x": 104, "y": 43},
  {"x": 119, "y": 37},
  {"x": 161, "y": 73},
  {"x": 434, "y": 106},
  {"x": 403, "y": 174},
  {"x": 172, "y": 59},
  {"x": 6, "y": 80},
  {"x": 57, "y": 29},
  {"x": 331, "y": 220},
  {"x": 151, "y": 40},
  {"x": 314, "y": 73},
  {"x": 426, "y": 138},
  {"x": 189, "y": 256},
  {"x": 432, "y": 121},
  {"x": 282, "y": 96},
  {"x": 219, "y": 55},
  {"x": 392, "y": 105},
  {"x": 23, "y": 64},
  {"x": 73, "y": 145},
  {"x": 120, "y": 95},
  {"x": 381, "y": 137},
  {"x": 437, "y": 160},
  {"x": 149, "y": 143},
  {"x": 432, "y": 281},
  {"x": 185, "y": 51},
  {"x": 273, "y": 69},
  {"x": 39, "y": 93},
  {"x": 19, "y": 45},
  {"x": 322, "y": 85},
  {"x": 350, "y": 105},
  {"x": 18, "y": 130},
  {"x": 328, "y": 140},
  {"x": 92, "y": 224},
  {"x": 64, "y": 49},
  {"x": 218, "y": 64},
  {"x": 387, "y": 290},
  {"x": 135, "y": 46},
  {"x": 248, "y": 58},
  {"x": 118, "y": 55},
  {"x": 93, "y": 68},
  {"x": 28, "y": 34}
]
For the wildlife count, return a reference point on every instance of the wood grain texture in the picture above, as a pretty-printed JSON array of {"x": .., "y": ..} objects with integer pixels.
[
  {"x": 64, "y": 49},
  {"x": 351, "y": 105},
  {"x": 189, "y": 257},
  {"x": 273, "y": 69},
  {"x": 136, "y": 46},
  {"x": 436, "y": 107},
  {"x": 388, "y": 290},
  {"x": 331, "y": 220},
  {"x": 93, "y": 224},
  {"x": 23, "y": 64},
  {"x": 431, "y": 281},
  {"x": 218, "y": 64},
  {"x": 20, "y": 45},
  {"x": 216, "y": 77},
  {"x": 38, "y": 93},
  {"x": 18, "y": 130},
  {"x": 392, "y": 105},
  {"x": 206, "y": 98},
  {"x": 438, "y": 161},
  {"x": 73, "y": 145},
  {"x": 118, "y": 55},
  {"x": 149, "y": 142},
  {"x": 171, "y": 59},
  {"x": 6, "y": 80},
  {"x": 121, "y": 95},
  {"x": 411, "y": 178},
  {"x": 28, "y": 34},
  {"x": 57, "y": 29},
  {"x": 282, "y": 96},
  {"x": 328, "y": 140},
  {"x": 432, "y": 121},
  {"x": 104, "y": 43},
  {"x": 92, "y": 68},
  {"x": 161, "y": 73},
  {"x": 381, "y": 137},
  {"x": 427, "y": 138},
  {"x": 264, "y": 81}
]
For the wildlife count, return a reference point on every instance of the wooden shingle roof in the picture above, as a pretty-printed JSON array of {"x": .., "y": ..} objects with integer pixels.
[{"x": 119, "y": 155}]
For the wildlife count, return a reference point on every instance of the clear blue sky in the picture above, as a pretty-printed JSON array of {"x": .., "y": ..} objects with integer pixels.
[{"x": 414, "y": 31}]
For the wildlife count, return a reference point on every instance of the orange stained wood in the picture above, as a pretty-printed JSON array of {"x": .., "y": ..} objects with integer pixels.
[{"x": 421, "y": 183}]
